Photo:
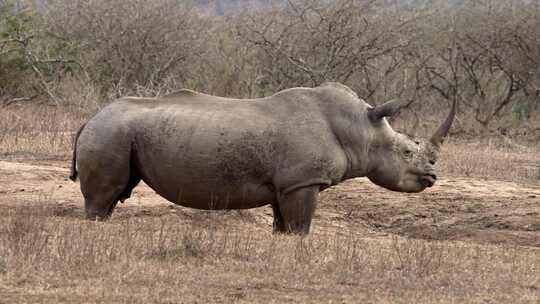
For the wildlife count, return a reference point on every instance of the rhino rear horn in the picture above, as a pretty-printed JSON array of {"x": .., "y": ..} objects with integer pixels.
[
  {"x": 439, "y": 135},
  {"x": 388, "y": 108}
]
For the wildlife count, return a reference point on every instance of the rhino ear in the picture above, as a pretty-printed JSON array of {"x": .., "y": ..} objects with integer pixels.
[{"x": 388, "y": 108}]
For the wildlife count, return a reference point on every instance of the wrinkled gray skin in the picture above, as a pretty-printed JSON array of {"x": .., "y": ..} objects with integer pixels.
[{"x": 209, "y": 152}]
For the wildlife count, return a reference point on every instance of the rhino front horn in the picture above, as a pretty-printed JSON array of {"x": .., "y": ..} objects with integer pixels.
[
  {"x": 388, "y": 108},
  {"x": 438, "y": 138}
]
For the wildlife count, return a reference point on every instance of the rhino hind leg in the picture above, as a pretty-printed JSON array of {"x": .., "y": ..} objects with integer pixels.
[
  {"x": 100, "y": 204},
  {"x": 294, "y": 211},
  {"x": 134, "y": 179},
  {"x": 112, "y": 180},
  {"x": 102, "y": 197}
]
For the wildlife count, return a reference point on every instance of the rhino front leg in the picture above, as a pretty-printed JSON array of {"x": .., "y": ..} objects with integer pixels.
[
  {"x": 279, "y": 224},
  {"x": 100, "y": 204},
  {"x": 294, "y": 211}
]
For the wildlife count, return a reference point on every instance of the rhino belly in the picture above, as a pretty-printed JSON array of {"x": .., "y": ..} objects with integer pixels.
[
  {"x": 207, "y": 196},
  {"x": 193, "y": 179}
]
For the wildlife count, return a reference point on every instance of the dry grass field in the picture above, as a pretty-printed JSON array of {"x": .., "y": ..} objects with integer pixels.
[{"x": 472, "y": 238}]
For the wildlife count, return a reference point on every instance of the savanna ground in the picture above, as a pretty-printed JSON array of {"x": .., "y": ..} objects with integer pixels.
[{"x": 472, "y": 238}]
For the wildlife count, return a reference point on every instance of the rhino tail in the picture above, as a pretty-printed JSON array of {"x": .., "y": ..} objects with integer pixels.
[{"x": 73, "y": 171}]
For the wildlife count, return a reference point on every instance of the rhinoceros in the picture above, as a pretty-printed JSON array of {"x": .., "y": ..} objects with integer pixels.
[{"x": 208, "y": 152}]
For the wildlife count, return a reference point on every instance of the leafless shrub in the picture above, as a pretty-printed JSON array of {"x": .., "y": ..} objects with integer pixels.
[
  {"x": 126, "y": 44},
  {"x": 310, "y": 42},
  {"x": 229, "y": 67},
  {"x": 485, "y": 56}
]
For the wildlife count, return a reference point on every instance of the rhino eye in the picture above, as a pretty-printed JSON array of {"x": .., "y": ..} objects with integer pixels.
[{"x": 407, "y": 152}]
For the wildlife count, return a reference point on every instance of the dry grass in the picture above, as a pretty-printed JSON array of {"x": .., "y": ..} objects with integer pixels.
[
  {"x": 497, "y": 158},
  {"x": 50, "y": 259},
  {"x": 38, "y": 132}
]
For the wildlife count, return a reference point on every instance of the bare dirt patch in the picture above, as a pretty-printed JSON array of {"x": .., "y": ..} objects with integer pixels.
[{"x": 457, "y": 208}]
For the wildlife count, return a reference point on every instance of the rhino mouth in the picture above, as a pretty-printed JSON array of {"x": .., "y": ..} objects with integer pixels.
[{"x": 428, "y": 180}]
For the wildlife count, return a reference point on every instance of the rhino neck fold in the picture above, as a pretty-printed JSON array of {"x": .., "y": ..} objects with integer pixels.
[
  {"x": 356, "y": 166},
  {"x": 354, "y": 142}
]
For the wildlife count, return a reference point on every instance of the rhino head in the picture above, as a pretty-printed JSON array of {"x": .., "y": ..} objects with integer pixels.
[{"x": 397, "y": 161}]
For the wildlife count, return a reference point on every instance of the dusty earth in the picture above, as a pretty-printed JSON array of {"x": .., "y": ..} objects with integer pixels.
[{"x": 456, "y": 208}]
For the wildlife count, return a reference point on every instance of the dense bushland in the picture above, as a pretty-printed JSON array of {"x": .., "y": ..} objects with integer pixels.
[{"x": 485, "y": 54}]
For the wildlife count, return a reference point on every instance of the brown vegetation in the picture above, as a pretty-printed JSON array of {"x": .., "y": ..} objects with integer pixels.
[
  {"x": 485, "y": 54},
  {"x": 473, "y": 238}
]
